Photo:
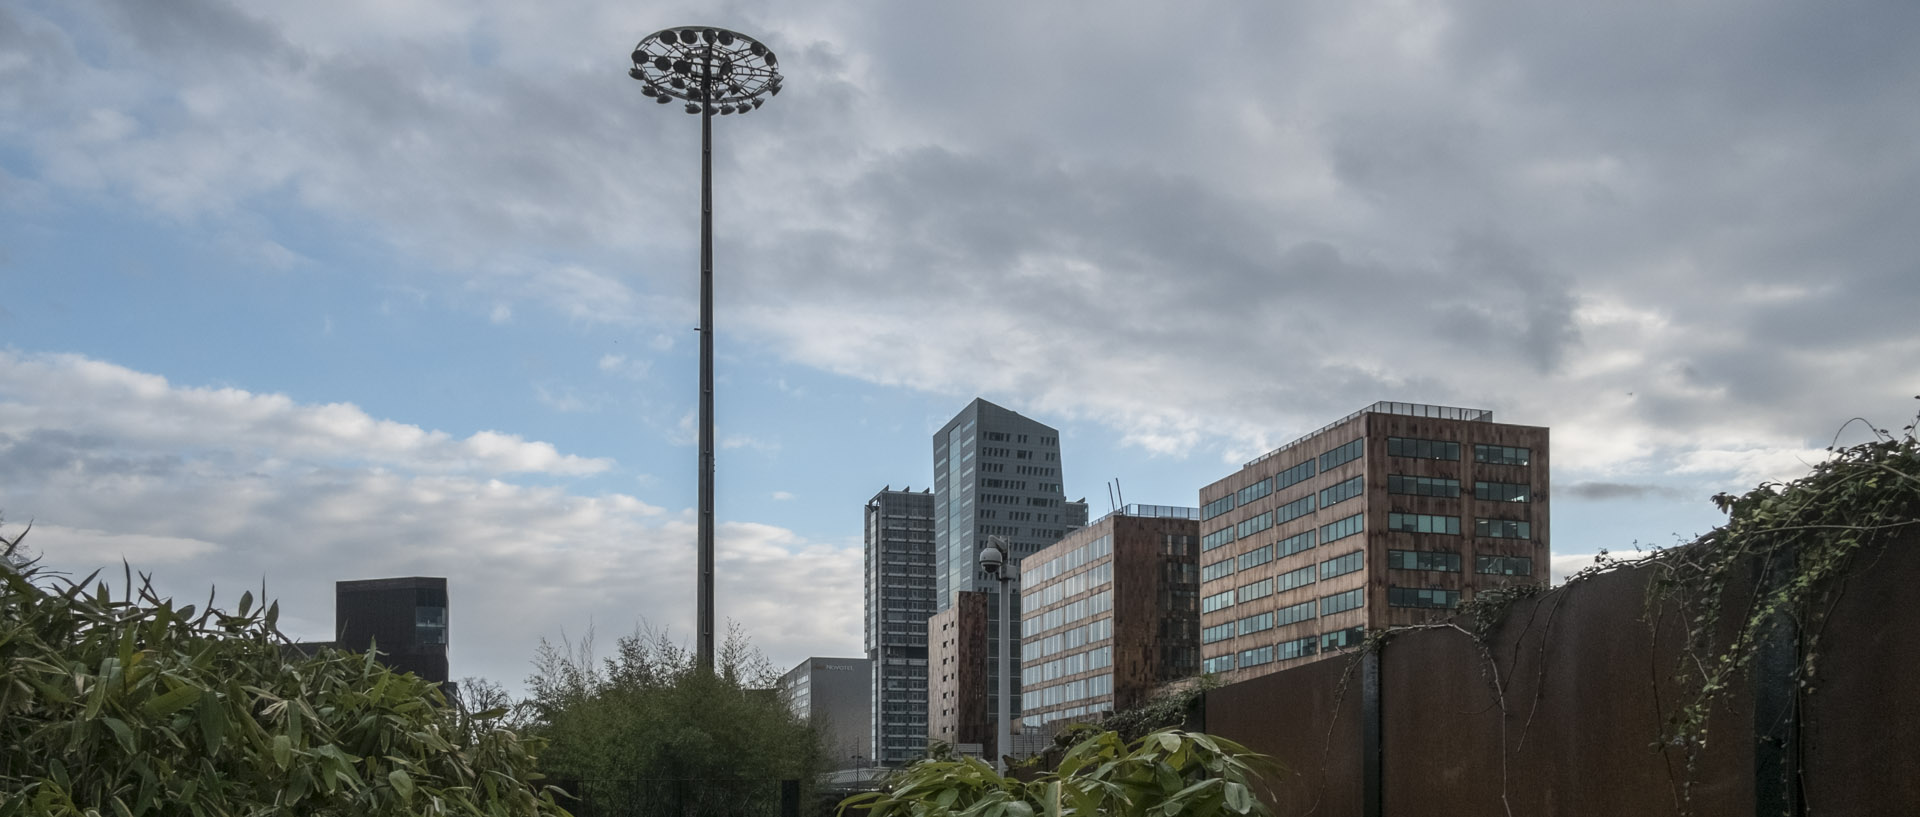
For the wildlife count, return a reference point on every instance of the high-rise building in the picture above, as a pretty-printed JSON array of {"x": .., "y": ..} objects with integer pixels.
[
  {"x": 899, "y": 600},
  {"x": 1391, "y": 515},
  {"x": 1112, "y": 613},
  {"x": 834, "y": 694},
  {"x": 404, "y": 618},
  {"x": 995, "y": 473}
]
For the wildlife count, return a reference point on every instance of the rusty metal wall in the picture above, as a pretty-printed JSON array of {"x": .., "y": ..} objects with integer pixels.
[{"x": 1587, "y": 674}]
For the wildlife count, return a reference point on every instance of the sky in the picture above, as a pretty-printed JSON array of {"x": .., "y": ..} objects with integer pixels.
[{"x": 297, "y": 293}]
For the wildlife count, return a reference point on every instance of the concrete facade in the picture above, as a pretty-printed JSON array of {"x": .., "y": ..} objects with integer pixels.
[
  {"x": 899, "y": 600},
  {"x": 1392, "y": 515},
  {"x": 836, "y": 695}
]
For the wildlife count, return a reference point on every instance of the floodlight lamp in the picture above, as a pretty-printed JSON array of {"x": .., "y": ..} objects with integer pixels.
[
  {"x": 636, "y": 74},
  {"x": 689, "y": 36},
  {"x": 692, "y": 108},
  {"x": 663, "y": 99},
  {"x": 710, "y": 36}
]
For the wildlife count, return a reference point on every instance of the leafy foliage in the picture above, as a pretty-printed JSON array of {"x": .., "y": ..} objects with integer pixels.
[
  {"x": 1164, "y": 774},
  {"x": 1170, "y": 707},
  {"x": 132, "y": 706},
  {"x": 649, "y": 713}
]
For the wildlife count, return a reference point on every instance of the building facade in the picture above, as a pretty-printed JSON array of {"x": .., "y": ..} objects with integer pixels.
[
  {"x": 899, "y": 600},
  {"x": 835, "y": 694},
  {"x": 1112, "y": 613},
  {"x": 995, "y": 474},
  {"x": 404, "y": 618},
  {"x": 1392, "y": 515},
  {"x": 957, "y": 703}
]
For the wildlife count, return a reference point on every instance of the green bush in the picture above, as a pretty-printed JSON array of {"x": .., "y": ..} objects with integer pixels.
[{"x": 132, "y": 706}]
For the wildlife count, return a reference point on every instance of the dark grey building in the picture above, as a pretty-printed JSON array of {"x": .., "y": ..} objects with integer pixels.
[
  {"x": 995, "y": 473},
  {"x": 404, "y": 618},
  {"x": 899, "y": 600},
  {"x": 833, "y": 693}
]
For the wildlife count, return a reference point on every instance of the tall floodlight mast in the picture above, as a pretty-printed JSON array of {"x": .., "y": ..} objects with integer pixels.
[{"x": 715, "y": 71}]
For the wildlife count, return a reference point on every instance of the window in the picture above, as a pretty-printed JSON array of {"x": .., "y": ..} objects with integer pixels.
[
  {"x": 1216, "y": 633},
  {"x": 1255, "y": 558},
  {"x": 1252, "y": 526},
  {"x": 1423, "y": 523},
  {"x": 1256, "y": 623},
  {"x": 1297, "y": 648},
  {"x": 1217, "y": 601},
  {"x": 1441, "y": 560},
  {"x": 1258, "y": 590},
  {"x": 1222, "y": 663},
  {"x": 1217, "y": 538},
  {"x": 1343, "y": 492},
  {"x": 1296, "y": 578},
  {"x": 1342, "y": 565},
  {"x": 1293, "y": 510},
  {"x": 1293, "y": 615},
  {"x": 1293, "y": 476},
  {"x": 1422, "y": 449},
  {"x": 1294, "y": 544},
  {"x": 1256, "y": 656},
  {"x": 430, "y": 625},
  {"x": 1503, "y": 491},
  {"x": 1502, "y": 529},
  {"x": 1217, "y": 507},
  {"x": 1254, "y": 491},
  {"x": 1503, "y": 565},
  {"x": 1502, "y": 455},
  {"x": 1342, "y": 529},
  {"x": 1423, "y": 486},
  {"x": 1341, "y": 639},
  {"x": 1341, "y": 602},
  {"x": 1218, "y": 570},
  {"x": 1423, "y": 597},
  {"x": 1343, "y": 455}
]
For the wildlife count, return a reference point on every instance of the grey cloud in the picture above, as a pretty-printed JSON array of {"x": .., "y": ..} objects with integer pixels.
[{"x": 1605, "y": 491}]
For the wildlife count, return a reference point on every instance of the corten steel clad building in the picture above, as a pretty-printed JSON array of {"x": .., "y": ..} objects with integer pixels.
[
  {"x": 835, "y": 694},
  {"x": 957, "y": 683},
  {"x": 995, "y": 473},
  {"x": 404, "y": 618},
  {"x": 899, "y": 600},
  {"x": 1392, "y": 515},
  {"x": 1112, "y": 613}
]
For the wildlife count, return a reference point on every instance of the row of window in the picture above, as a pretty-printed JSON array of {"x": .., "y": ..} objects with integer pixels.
[
  {"x": 1423, "y": 597},
  {"x": 1502, "y": 529},
  {"x": 1336, "y": 603},
  {"x": 1341, "y": 529},
  {"x": 1216, "y": 538},
  {"x": 1502, "y": 455},
  {"x": 1076, "y": 557},
  {"x": 1423, "y": 523},
  {"x": 1503, "y": 491},
  {"x": 1343, "y": 564},
  {"x": 1294, "y": 544},
  {"x": 1295, "y": 648},
  {"x": 1256, "y": 557},
  {"x": 1258, "y": 490},
  {"x": 1343, "y": 491},
  {"x": 1343, "y": 455},
  {"x": 1423, "y": 486},
  {"x": 1062, "y": 616},
  {"x": 1073, "y": 691},
  {"x": 1098, "y": 576},
  {"x": 1217, "y": 507},
  {"x": 1285, "y": 513},
  {"x": 1037, "y": 648},
  {"x": 1066, "y": 665},
  {"x": 1440, "y": 560},
  {"x": 1446, "y": 450},
  {"x": 1217, "y": 570},
  {"x": 1249, "y": 527}
]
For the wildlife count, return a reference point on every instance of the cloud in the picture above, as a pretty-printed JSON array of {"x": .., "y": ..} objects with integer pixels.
[
  {"x": 83, "y": 396},
  {"x": 1604, "y": 491},
  {"x": 782, "y": 495},
  {"x": 238, "y": 506}
]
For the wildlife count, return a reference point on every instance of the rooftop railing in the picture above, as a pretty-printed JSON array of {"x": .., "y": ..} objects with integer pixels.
[{"x": 1387, "y": 407}]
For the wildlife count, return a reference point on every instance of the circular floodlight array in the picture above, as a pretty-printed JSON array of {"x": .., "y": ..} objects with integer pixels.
[{"x": 713, "y": 69}]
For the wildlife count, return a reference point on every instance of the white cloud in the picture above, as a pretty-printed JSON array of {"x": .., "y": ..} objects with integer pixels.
[
  {"x": 782, "y": 496},
  {"x": 81, "y": 395}
]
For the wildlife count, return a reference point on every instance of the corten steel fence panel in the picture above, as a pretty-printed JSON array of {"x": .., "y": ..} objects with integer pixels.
[
  {"x": 1308, "y": 719},
  {"x": 1860, "y": 750},
  {"x": 1587, "y": 674},
  {"x": 667, "y": 797}
]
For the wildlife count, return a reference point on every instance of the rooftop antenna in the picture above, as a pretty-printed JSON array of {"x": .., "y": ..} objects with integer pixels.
[
  {"x": 1120, "y": 493},
  {"x": 1111, "y": 506}
]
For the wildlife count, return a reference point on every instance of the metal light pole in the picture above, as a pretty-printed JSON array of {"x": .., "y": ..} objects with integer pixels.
[
  {"x": 715, "y": 71},
  {"x": 993, "y": 559}
]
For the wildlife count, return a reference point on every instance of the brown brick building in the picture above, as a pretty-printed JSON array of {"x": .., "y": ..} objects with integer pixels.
[
  {"x": 1392, "y": 515},
  {"x": 957, "y": 675},
  {"x": 1110, "y": 613}
]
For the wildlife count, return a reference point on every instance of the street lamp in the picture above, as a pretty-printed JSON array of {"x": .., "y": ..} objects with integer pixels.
[
  {"x": 714, "y": 71},
  {"x": 993, "y": 559}
]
